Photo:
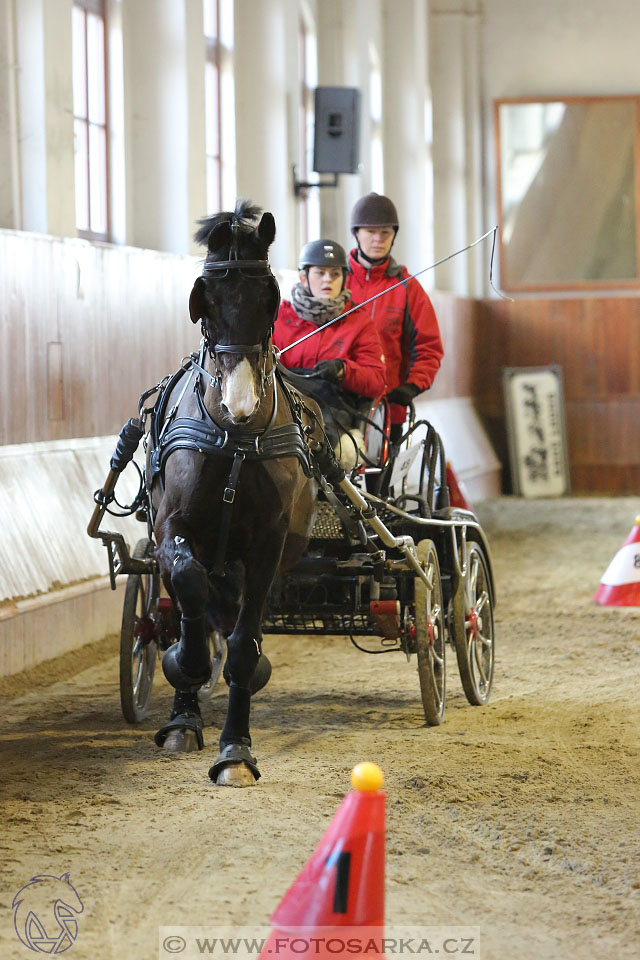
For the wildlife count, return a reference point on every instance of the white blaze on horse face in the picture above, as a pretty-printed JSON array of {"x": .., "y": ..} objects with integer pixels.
[{"x": 239, "y": 393}]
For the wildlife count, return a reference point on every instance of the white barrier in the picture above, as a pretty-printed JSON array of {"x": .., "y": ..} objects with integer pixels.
[{"x": 54, "y": 595}]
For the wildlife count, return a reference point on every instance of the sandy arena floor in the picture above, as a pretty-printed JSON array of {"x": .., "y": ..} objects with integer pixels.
[{"x": 520, "y": 817}]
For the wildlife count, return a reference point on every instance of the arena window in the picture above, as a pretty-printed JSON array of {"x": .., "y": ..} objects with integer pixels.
[
  {"x": 219, "y": 104},
  {"x": 90, "y": 119}
]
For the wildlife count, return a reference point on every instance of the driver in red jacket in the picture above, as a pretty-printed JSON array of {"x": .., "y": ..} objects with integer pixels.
[
  {"x": 404, "y": 318},
  {"x": 344, "y": 359}
]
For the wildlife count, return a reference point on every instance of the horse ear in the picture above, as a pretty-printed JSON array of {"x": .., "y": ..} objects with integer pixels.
[
  {"x": 196, "y": 301},
  {"x": 219, "y": 236},
  {"x": 267, "y": 229}
]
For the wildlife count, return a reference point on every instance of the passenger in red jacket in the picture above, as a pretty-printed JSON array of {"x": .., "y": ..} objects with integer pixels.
[
  {"x": 404, "y": 318},
  {"x": 344, "y": 359}
]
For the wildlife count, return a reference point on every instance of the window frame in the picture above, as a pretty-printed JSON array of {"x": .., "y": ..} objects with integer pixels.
[
  {"x": 96, "y": 8},
  {"x": 213, "y": 58}
]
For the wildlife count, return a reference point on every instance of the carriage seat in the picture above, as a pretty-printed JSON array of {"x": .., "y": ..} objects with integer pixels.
[{"x": 358, "y": 427}]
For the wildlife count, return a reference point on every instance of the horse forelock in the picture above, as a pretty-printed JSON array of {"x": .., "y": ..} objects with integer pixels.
[{"x": 245, "y": 218}]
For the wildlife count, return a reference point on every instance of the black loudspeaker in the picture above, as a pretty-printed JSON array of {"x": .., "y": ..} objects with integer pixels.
[{"x": 336, "y": 141}]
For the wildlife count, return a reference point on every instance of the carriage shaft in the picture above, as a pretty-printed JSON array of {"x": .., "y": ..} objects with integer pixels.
[{"x": 368, "y": 513}]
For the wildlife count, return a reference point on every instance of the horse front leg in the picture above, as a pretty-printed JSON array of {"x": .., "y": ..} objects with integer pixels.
[
  {"x": 187, "y": 663},
  {"x": 236, "y": 766}
]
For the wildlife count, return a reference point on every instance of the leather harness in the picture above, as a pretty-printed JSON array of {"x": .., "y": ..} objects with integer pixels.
[
  {"x": 201, "y": 434},
  {"x": 170, "y": 432}
]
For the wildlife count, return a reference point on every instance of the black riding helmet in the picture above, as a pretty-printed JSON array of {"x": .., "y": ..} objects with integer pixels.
[
  {"x": 374, "y": 210},
  {"x": 322, "y": 253}
]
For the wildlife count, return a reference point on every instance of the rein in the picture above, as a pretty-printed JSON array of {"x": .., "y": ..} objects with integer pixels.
[{"x": 404, "y": 280}]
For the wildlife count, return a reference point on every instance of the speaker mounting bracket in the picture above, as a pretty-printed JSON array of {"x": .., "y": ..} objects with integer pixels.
[{"x": 300, "y": 187}]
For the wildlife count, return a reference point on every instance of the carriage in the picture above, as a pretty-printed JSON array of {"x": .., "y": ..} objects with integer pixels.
[
  {"x": 391, "y": 565},
  {"x": 388, "y": 561}
]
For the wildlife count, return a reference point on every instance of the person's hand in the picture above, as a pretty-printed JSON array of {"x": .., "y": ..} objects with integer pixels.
[
  {"x": 330, "y": 370},
  {"x": 403, "y": 394}
]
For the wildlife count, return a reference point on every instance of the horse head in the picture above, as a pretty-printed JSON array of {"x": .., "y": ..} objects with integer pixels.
[{"x": 236, "y": 300}]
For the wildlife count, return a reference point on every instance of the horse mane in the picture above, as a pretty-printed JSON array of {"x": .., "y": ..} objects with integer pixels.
[{"x": 246, "y": 214}]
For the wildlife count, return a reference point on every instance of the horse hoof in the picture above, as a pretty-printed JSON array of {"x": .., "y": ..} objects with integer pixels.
[
  {"x": 181, "y": 741},
  {"x": 235, "y": 767},
  {"x": 182, "y": 734},
  {"x": 238, "y": 775}
]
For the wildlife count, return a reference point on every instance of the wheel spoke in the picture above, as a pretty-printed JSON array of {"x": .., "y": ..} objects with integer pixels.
[
  {"x": 137, "y": 678},
  {"x": 479, "y": 665},
  {"x": 484, "y": 597},
  {"x": 437, "y": 659},
  {"x": 473, "y": 576}
]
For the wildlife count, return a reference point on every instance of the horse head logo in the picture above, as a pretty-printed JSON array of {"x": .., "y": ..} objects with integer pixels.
[{"x": 45, "y": 912}]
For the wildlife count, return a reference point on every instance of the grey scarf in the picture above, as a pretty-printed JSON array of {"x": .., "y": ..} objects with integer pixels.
[{"x": 318, "y": 310}]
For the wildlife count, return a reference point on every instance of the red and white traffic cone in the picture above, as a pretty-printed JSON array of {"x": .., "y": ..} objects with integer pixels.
[{"x": 620, "y": 583}]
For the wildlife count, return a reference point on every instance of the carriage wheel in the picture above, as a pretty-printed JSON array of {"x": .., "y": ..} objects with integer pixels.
[
  {"x": 218, "y": 650},
  {"x": 430, "y": 634},
  {"x": 138, "y": 638},
  {"x": 471, "y": 626}
]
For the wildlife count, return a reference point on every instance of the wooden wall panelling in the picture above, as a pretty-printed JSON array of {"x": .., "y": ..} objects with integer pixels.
[
  {"x": 597, "y": 342},
  {"x": 120, "y": 317}
]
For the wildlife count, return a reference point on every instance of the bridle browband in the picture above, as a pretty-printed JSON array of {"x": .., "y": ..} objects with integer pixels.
[{"x": 236, "y": 264}]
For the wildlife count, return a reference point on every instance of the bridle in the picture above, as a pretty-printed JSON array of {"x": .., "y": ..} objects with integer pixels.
[{"x": 242, "y": 349}]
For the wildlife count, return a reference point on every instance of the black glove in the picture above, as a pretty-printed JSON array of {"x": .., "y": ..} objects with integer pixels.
[
  {"x": 330, "y": 370},
  {"x": 403, "y": 394}
]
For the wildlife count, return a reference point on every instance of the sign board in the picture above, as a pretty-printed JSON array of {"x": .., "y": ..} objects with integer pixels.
[
  {"x": 403, "y": 464},
  {"x": 536, "y": 431}
]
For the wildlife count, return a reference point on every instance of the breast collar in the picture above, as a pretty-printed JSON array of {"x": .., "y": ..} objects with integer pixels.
[{"x": 202, "y": 434}]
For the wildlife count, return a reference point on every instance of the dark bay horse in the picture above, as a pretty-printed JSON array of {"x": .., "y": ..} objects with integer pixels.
[{"x": 231, "y": 482}]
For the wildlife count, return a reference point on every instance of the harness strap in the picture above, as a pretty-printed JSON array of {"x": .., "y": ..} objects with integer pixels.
[{"x": 228, "y": 497}]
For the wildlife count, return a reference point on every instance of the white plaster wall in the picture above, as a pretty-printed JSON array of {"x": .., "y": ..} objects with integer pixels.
[
  {"x": 470, "y": 51},
  {"x": 117, "y": 179},
  {"x": 10, "y": 213},
  {"x": 457, "y": 165},
  {"x": 345, "y": 31},
  {"x": 407, "y": 165},
  {"x": 576, "y": 47},
  {"x": 40, "y": 157},
  {"x": 157, "y": 127},
  {"x": 263, "y": 34},
  {"x": 503, "y": 48},
  {"x": 31, "y": 103}
]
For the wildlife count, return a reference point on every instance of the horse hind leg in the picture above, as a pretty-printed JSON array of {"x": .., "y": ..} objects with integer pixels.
[
  {"x": 183, "y": 733},
  {"x": 187, "y": 664}
]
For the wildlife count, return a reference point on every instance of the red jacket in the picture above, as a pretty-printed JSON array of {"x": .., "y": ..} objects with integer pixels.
[
  {"x": 352, "y": 340},
  {"x": 406, "y": 323}
]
